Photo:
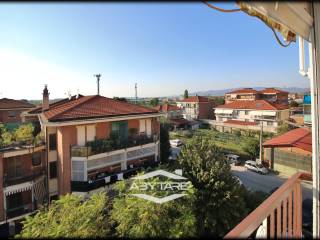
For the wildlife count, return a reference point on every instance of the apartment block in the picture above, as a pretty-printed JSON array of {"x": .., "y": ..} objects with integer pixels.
[
  {"x": 250, "y": 115},
  {"x": 89, "y": 143},
  {"x": 11, "y": 110},
  {"x": 196, "y": 107},
  {"x": 269, "y": 94}
]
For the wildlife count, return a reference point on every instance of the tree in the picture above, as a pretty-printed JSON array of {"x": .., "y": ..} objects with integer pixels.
[
  {"x": 220, "y": 204},
  {"x": 138, "y": 218},
  {"x": 24, "y": 132},
  {"x": 164, "y": 143},
  {"x": 252, "y": 147},
  {"x": 283, "y": 128},
  {"x": 219, "y": 101},
  {"x": 186, "y": 94},
  {"x": 293, "y": 104},
  {"x": 154, "y": 102},
  {"x": 69, "y": 217},
  {"x": 121, "y": 99}
]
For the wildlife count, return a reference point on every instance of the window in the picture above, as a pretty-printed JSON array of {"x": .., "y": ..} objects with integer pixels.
[
  {"x": 246, "y": 112},
  {"x": 53, "y": 169},
  {"x": 269, "y": 123},
  {"x": 52, "y": 141},
  {"x": 12, "y": 114},
  {"x": 36, "y": 159},
  {"x": 14, "y": 167}
]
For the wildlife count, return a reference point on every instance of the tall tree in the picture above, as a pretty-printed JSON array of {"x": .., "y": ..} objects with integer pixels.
[
  {"x": 164, "y": 143},
  {"x": 252, "y": 147},
  {"x": 218, "y": 196},
  {"x": 154, "y": 102},
  {"x": 186, "y": 94},
  {"x": 138, "y": 218},
  {"x": 68, "y": 217}
]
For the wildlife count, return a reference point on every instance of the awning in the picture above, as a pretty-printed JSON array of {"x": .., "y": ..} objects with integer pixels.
[
  {"x": 269, "y": 113},
  {"x": 255, "y": 113},
  {"x": 288, "y": 18},
  {"x": 22, "y": 187},
  {"x": 224, "y": 111}
]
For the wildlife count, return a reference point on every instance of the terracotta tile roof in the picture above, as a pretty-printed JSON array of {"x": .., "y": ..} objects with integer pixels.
[
  {"x": 300, "y": 138},
  {"x": 196, "y": 99},
  {"x": 243, "y": 123},
  {"x": 244, "y": 90},
  {"x": 254, "y": 104},
  {"x": 56, "y": 103},
  {"x": 6, "y": 103},
  {"x": 166, "y": 108},
  {"x": 272, "y": 90},
  {"x": 95, "y": 106}
]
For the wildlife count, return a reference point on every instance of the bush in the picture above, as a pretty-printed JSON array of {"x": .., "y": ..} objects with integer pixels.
[
  {"x": 101, "y": 145},
  {"x": 24, "y": 132}
]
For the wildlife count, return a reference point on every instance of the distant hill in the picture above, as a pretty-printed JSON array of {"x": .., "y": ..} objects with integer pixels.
[{"x": 223, "y": 91}]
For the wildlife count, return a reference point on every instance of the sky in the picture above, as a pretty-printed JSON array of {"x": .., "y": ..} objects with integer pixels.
[{"x": 163, "y": 47}]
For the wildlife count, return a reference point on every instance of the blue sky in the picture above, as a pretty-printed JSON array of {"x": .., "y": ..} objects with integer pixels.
[{"x": 164, "y": 47}]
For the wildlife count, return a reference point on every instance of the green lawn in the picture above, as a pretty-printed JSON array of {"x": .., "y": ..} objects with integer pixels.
[{"x": 229, "y": 142}]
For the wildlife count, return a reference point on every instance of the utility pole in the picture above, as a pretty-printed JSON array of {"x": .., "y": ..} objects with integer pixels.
[
  {"x": 98, "y": 82},
  {"x": 136, "y": 92}
]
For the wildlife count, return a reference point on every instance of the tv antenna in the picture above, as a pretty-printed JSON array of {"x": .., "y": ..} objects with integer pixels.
[
  {"x": 136, "y": 92},
  {"x": 98, "y": 82}
]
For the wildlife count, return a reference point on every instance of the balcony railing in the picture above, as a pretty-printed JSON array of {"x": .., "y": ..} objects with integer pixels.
[
  {"x": 18, "y": 211},
  {"x": 279, "y": 216},
  {"x": 78, "y": 186},
  {"x": 108, "y": 145},
  {"x": 23, "y": 177}
]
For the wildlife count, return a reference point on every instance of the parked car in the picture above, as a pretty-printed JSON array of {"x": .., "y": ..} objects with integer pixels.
[
  {"x": 233, "y": 159},
  {"x": 176, "y": 143},
  {"x": 253, "y": 166}
]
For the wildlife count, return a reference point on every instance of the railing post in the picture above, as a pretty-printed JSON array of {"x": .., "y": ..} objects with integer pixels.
[{"x": 298, "y": 210}]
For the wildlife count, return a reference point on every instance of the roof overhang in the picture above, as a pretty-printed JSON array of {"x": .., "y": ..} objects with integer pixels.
[
  {"x": 44, "y": 122},
  {"x": 293, "y": 16}
]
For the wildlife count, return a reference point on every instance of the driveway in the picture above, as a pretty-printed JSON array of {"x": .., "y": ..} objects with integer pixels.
[{"x": 265, "y": 183}]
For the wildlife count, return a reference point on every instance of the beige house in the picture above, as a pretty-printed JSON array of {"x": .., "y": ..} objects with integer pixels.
[{"x": 249, "y": 115}]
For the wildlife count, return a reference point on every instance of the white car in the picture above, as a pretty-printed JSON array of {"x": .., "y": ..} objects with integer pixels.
[
  {"x": 253, "y": 166},
  {"x": 232, "y": 159},
  {"x": 176, "y": 143}
]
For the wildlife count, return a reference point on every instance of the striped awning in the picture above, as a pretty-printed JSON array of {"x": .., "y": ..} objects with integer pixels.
[{"x": 22, "y": 187}]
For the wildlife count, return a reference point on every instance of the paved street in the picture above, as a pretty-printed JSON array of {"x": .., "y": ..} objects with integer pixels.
[{"x": 265, "y": 183}]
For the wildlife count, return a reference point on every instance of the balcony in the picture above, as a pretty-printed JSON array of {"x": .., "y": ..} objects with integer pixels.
[
  {"x": 109, "y": 145},
  {"x": 279, "y": 216},
  {"x": 80, "y": 186},
  {"x": 23, "y": 177}
]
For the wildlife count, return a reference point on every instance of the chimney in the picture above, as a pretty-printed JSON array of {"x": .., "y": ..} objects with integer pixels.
[{"x": 45, "y": 98}]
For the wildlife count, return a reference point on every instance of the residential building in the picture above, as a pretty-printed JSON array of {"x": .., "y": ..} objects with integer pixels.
[
  {"x": 92, "y": 141},
  {"x": 196, "y": 107},
  {"x": 169, "y": 111},
  {"x": 11, "y": 110},
  {"x": 249, "y": 115},
  {"x": 22, "y": 180},
  {"x": 307, "y": 109},
  {"x": 290, "y": 152},
  {"x": 268, "y": 94}
]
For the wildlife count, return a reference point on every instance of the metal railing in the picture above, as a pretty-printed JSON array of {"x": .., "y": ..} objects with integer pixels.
[
  {"x": 89, "y": 149},
  {"x": 25, "y": 176},
  {"x": 279, "y": 216}
]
